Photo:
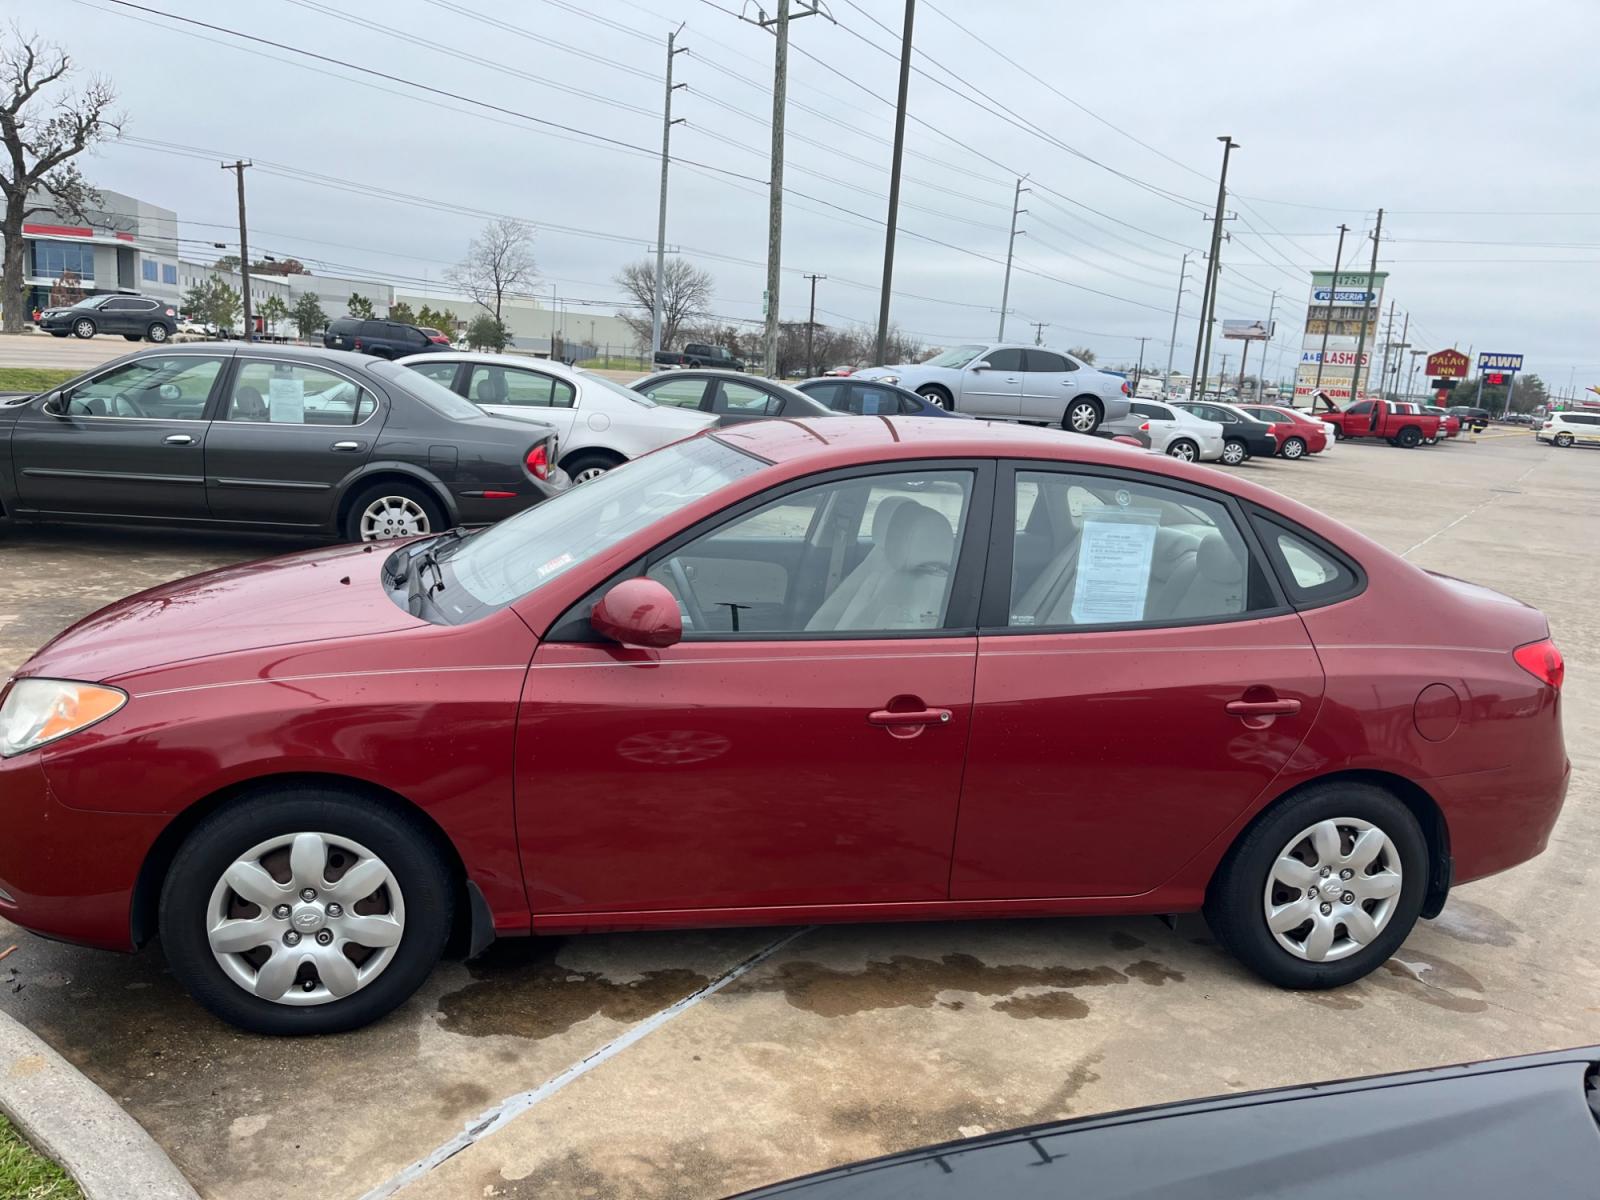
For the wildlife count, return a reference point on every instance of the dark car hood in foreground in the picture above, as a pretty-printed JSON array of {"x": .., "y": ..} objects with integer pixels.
[
  {"x": 1511, "y": 1128},
  {"x": 282, "y": 601}
]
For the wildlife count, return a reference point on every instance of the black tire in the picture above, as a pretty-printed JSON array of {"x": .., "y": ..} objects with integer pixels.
[
  {"x": 1183, "y": 449},
  {"x": 132, "y": 337},
  {"x": 414, "y": 492},
  {"x": 60, "y": 333},
  {"x": 157, "y": 332},
  {"x": 1235, "y": 909},
  {"x": 1564, "y": 440},
  {"x": 1338, "y": 433},
  {"x": 1409, "y": 437},
  {"x": 1293, "y": 448},
  {"x": 84, "y": 328},
  {"x": 934, "y": 394},
  {"x": 591, "y": 461},
  {"x": 395, "y": 836},
  {"x": 1083, "y": 415},
  {"x": 1235, "y": 453}
]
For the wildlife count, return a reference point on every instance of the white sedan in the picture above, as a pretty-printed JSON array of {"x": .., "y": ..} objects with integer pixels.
[
  {"x": 599, "y": 424},
  {"x": 1176, "y": 433}
]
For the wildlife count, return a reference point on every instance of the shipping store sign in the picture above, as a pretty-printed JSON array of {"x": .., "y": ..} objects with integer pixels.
[{"x": 1341, "y": 328}]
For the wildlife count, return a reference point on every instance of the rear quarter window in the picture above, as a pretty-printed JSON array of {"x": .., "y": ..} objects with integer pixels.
[{"x": 1312, "y": 571}]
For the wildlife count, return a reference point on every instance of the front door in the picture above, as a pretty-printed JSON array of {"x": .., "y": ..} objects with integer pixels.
[
  {"x": 286, "y": 435},
  {"x": 803, "y": 745},
  {"x": 1136, "y": 689},
  {"x": 129, "y": 443},
  {"x": 992, "y": 385}
]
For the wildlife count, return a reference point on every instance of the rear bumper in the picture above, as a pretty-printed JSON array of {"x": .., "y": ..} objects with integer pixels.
[
  {"x": 1498, "y": 819},
  {"x": 66, "y": 873}
]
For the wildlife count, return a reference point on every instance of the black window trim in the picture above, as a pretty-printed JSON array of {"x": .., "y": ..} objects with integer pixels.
[
  {"x": 972, "y": 558},
  {"x": 1280, "y": 567},
  {"x": 994, "y": 614}
]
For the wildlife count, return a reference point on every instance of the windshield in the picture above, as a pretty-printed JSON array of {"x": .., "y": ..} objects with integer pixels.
[
  {"x": 611, "y": 385},
  {"x": 435, "y": 395},
  {"x": 524, "y": 552},
  {"x": 91, "y": 302},
  {"x": 956, "y": 356}
]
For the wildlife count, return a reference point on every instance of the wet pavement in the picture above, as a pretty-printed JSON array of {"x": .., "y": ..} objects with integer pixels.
[{"x": 666, "y": 1065}]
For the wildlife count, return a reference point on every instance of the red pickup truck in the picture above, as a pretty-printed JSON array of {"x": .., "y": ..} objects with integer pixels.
[{"x": 1398, "y": 424}]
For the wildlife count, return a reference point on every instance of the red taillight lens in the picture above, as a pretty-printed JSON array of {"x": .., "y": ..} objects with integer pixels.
[
  {"x": 1126, "y": 390},
  {"x": 1543, "y": 661},
  {"x": 1145, "y": 428},
  {"x": 357, "y": 343},
  {"x": 538, "y": 463}
]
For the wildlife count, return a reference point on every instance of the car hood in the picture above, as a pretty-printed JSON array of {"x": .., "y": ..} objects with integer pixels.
[{"x": 317, "y": 595}]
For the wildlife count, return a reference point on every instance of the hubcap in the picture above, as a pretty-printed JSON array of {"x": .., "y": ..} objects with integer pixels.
[
  {"x": 158, "y": 333},
  {"x": 85, "y": 329},
  {"x": 277, "y": 946},
  {"x": 393, "y": 517},
  {"x": 1081, "y": 418},
  {"x": 1184, "y": 451},
  {"x": 1233, "y": 453},
  {"x": 935, "y": 399},
  {"x": 588, "y": 473},
  {"x": 1294, "y": 449},
  {"x": 1333, "y": 889}
]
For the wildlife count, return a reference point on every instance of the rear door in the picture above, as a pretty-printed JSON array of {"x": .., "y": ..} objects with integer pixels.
[
  {"x": 1047, "y": 385},
  {"x": 680, "y": 390},
  {"x": 129, "y": 442},
  {"x": 286, "y": 436},
  {"x": 519, "y": 392},
  {"x": 121, "y": 314},
  {"x": 735, "y": 402},
  {"x": 991, "y": 386},
  {"x": 1111, "y": 739}
]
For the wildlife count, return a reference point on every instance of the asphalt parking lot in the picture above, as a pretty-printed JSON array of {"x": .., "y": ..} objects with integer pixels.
[{"x": 696, "y": 1064}]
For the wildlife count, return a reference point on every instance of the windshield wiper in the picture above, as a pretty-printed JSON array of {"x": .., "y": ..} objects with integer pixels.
[{"x": 428, "y": 557}]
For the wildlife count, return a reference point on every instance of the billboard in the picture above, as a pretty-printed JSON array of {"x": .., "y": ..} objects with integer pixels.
[
  {"x": 1246, "y": 331},
  {"x": 1344, "y": 309}
]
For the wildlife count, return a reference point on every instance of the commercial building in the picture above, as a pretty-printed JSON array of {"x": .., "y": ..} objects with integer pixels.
[{"x": 121, "y": 245}]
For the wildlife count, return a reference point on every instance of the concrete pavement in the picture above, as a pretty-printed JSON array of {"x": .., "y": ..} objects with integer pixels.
[{"x": 846, "y": 1041}]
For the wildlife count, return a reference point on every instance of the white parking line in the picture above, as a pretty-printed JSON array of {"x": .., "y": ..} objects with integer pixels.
[
  {"x": 1482, "y": 504},
  {"x": 508, "y": 1110}
]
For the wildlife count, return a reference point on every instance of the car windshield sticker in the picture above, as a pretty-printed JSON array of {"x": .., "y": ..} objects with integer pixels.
[
  {"x": 554, "y": 565},
  {"x": 286, "y": 400},
  {"x": 1114, "y": 557}
]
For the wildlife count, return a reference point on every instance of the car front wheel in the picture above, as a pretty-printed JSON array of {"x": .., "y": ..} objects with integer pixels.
[
  {"x": 1234, "y": 452},
  {"x": 305, "y": 910},
  {"x": 937, "y": 396},
  {"x": 1082, "y": 416},
  {"x": 83, "y": 328},
  {"x": 1324, "y": 888}
]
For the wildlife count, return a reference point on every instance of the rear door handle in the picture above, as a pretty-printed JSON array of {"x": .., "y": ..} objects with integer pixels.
[
  {"x": 178, "y": 439},
  {"x": 924, "y": 716},
  {"x": 1263, "y": 708},
  {"x": 346, "y": 446}
]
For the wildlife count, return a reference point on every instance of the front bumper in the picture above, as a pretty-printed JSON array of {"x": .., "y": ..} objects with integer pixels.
[{"x": 57, "y": 323}]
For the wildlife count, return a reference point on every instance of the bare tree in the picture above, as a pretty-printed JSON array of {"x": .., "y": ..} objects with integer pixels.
[
  {"x": 499, "y": 262},
  {"x": 36, "y": 174},
  {"x": 685, "y": 293},
  {"x": 1082, "y": 354}
]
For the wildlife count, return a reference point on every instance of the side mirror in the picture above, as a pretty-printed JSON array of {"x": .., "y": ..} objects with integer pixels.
[
  {"x": 56, "y": 405},
  {"x": 638, "y": 612},
  {"x": 979, "y": 366}
]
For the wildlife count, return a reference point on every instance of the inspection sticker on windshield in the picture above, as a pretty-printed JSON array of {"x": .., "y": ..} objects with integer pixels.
[
  {"x": 1114, "y": 554},
  {"x": 554, "y": 565}
]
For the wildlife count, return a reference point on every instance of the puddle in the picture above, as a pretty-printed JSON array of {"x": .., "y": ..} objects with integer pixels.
[
  {"x": 1153, "y": 973},
  {"x": 1439, "y": 978},
  {"x": 1051, "y": 1006},
  {"x": 1476, "y": 923}
]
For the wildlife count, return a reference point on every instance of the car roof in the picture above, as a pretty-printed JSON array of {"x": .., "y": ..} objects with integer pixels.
[{"x": 553, "y": 366}]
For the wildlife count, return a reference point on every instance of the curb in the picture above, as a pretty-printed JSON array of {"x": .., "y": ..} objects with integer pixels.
[{"x": 69, "y": 1118}]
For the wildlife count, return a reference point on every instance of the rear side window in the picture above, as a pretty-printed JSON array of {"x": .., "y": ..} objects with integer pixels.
[
  {"x": 826, "y": 393},
  {"x": 1312, "y": 572},
  {"x": 344, "y": 326}
]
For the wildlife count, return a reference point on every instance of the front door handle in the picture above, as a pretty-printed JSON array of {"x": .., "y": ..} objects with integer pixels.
[
  {"x": 346, "y": 446},
  {"x": 1263, "y": 708},
  {"x": 178, "y": 439},
  {"x": 923, "y": 716}
]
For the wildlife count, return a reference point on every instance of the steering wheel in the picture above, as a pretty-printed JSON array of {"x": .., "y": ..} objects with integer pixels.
[
  {"x": 680, "y": 578},
  {"x": 121, "y": 401}
]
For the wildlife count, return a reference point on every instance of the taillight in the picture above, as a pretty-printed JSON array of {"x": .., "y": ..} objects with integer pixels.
[
  {"x": 1126, "y": 390},
  {"x": 1543, "y": 661},
  {"x": 538, "y": 462},
  {"x": 357, "y": 343},
  {"x": 1145, "y": 428}
]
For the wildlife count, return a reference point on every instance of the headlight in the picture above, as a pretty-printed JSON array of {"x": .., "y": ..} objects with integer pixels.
[
  {"x": 888, "y": 379},
  {"x": 37, "y": 711}
]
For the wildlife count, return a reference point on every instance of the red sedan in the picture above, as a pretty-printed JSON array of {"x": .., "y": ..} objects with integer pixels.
[
  {"x": 848, "y": 670},
  {"x": 1298, "y": 433}
]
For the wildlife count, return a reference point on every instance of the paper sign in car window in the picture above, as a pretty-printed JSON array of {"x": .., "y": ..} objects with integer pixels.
[
  {"x": 1114, "y": 555},
  {"x": 286, "y": 400}
]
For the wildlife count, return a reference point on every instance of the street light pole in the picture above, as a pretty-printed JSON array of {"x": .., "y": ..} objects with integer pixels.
[
  {"x": 1172, "y": 342},
  {"x": 811, "y": 323}
]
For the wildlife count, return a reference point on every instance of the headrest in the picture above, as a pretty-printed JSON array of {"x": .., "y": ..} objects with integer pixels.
[
  {"x": 1219, "y": 562},
  {"x": 919, "y": 539},
  {"x": 492, "y": 389},
  {"x": 880, "y": 519}
]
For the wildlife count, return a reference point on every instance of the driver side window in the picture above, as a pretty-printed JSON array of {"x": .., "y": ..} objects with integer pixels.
[{"x": 171, "y": 388}]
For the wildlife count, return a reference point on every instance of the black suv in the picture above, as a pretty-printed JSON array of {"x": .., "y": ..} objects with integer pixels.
[
  {"x": 385, "y": 339},
  {"x": 134, "y": 317}
]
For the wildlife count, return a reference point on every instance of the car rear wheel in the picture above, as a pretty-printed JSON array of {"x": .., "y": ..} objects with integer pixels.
[
  {"x": 1564, "y": 440},
  {"x": 1324, "y": 888},
  {"x": 157, "y": 332},
  {"x": 1183, "y": 449},
  {"x": 1294, "y": 448},
  {"x": 392, "y": 510},
  {"x": 83, "y": 328},
  {"x": 304, "y": 910},
  {"x": 1409, "y": 437},
  {"x": 1234, "y": 452},
  {"x": 1082, "y": 416},
  {"x": 585, "y": 467},
  {"x": 1338, "y": 434},
  {"x": 937, "y": 396}
]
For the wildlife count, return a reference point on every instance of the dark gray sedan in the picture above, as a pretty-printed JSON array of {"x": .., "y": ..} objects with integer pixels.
[
  {"x": 733, "y": 397},
  {"x": 267, "y": 437}
]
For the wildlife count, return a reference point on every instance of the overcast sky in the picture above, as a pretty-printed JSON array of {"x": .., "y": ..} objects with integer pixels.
[{"x": 1470, "y": 123}]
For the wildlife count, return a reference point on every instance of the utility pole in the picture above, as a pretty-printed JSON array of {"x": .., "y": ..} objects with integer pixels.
[
  {"x": 1197, "y": 382},
  {"x": 1400, "y": 347},
  {"x": 661, "y": 210},
  {"x": 1261, "y": 371},
  {"x": 1388, "y": 341},
  {"x": 1361, "y": 339},
  {"x": 1038, "y": 331},
  {"x": 811, "y": 323},
  {"x": 1333, "y": 294},
  {"x": 238, "y": 168},
  {"x": 1222, "y": 376},
  {"x": 1411, "y": 379},
  {"x": 1005, "y": 291},
  {"x": 1139, "y": 370},
  {"x": 1172, "y": 342},
  {"x": 894, "y": 186},
  {"x": 780, "y": 92}
]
